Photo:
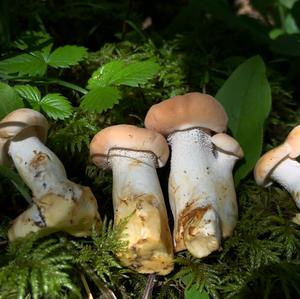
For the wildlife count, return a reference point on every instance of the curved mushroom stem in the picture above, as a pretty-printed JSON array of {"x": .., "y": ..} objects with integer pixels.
[
  {"x": 59, "y": 204},
  {"x": 138, "y": 196},
  {"x": 192, "y": 192},
  {"x": 40, "y": 168},
  {"x": 287, "y": 174},
  {"x": 227, "y": 203}
]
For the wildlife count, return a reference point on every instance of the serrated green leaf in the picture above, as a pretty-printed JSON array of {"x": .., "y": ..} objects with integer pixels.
[
  {"x": 66, "y": 56},
  {"x": 136, "y": 73},
  {"x": 9, "y": 100},
  {"x": 28, "y": 92},
  {"x": 118, "y": 73},
  {"x": 104, "y": 76},
  {"x": 246, "y": 97},
  {"x": 32, "y": 64},
  {"x": 56, "y": 106},
  {"x": 100, "y": 99}
]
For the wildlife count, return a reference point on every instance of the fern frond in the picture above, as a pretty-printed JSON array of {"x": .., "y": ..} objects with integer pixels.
[
  {"x": 100, "y": 254},
  {"x": 39, "y": 267}
]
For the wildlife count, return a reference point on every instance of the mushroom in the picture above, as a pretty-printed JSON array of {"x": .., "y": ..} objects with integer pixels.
[
  {"x": 133, "y": 154},
  {"x": 58, "y": 203},
  {"x": 201, "y": 189},
  {"x": 280, "y": 165}
]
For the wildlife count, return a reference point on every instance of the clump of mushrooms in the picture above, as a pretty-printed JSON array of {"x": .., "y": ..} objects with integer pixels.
[
  {"x": 201, "y": 188},
  {"x": 133, "y": 154},
  {"x": 280, "y": 165},
  {"x": 58, "y": 204}
]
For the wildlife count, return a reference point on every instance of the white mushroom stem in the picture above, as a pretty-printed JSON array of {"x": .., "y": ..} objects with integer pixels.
[
  {"x": 227, "y": 203},
  {"x": 287, "y": 174},
  {"x": 137, "y": 196},
  {"x": 193, "y": 193},
  {"x": 40, "y": 168}
]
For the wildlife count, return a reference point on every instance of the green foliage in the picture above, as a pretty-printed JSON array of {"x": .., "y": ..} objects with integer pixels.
[
  {"x": 54, "y": 105},
  {"x": 99, "y": 254},
  {"x": 9, "y": 100},
  {"x": 103, "y": 94},
  {"x": 40, "y": 268},
  {"x": 246, "y": 98},
  {"x": 35, "y": 63}
]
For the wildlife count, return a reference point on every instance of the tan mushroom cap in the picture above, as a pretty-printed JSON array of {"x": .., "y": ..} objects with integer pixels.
[
  {"x": 267, "y": 163},
  {"x": 15, "y": 122},
  {"x": 227, "y": 144},
  {"x": 187, "y": 111},
  {"x": 293, "y": 140},
  {"x": 127, "y": 137}
]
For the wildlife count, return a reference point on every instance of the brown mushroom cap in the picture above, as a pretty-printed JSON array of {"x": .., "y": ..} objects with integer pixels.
[
  {"x": 227, "y": 144},
  {"x": 187, "y": 111},
  {"x": 267, "y": 163},
  {"x": 127, "y": 137},
  {"x": 17, "y": 121}
]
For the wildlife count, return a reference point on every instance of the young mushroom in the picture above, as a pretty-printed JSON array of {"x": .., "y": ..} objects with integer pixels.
[
  {"x": 201, "y": 189},
  {"x": 58, "y": 203},
  {"x": 280, "y": 165},
  {"x": 133, "y": 154}
]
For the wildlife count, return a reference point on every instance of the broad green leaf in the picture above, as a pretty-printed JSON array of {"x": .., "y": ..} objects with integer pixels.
[
  {"x": 104, "y": 76},
  {"x": 65, "y": 56},
  {"x": 246, "y": 97},
  {"x": 119, "y": 73},
  {"x": 100, "y": 99},
  {"x": 194, "y": 293},
  {"x": 290, "y": 25},
  {"x": 32, "y": 64},
  {"x": 56, "y": 106},
  {"x": 288, "y": 3},
  {"x": 16, "y": 180},
  {"x": 9, "y": 100}
]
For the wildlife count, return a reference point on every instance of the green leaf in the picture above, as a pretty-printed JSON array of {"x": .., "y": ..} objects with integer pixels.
[
  {"x": 194, "y": 293},
  {"x": 17, "y": 181},
  {"x": 32, "y": 64},
  {"x": 246, "y": 97},
  {"x": 9, "y": 100},
  {"x": 118, "y": 73},
  {"x": 29, "y": 93},
  {"x": 290, "y": 25},
  {"x": 66, "y": 56},
  {"x": 100, "y": 99},
  {"x": 288, "y": 3},
  {"x": 104, "y": 76},
  {"x": 56, "y": 106}
]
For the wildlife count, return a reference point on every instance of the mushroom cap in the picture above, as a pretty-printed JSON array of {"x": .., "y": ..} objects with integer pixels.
[
  {"x": 127, "y": 137},
  {"x": 268, "y": 162},
  {"x": 187, "y": 111},
  {"x": 227, "y": 144},
  {"x": 293, "y": 140},
  {"x": 15, "y": 122}
]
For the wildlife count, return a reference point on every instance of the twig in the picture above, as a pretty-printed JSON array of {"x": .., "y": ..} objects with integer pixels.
[{"x": 149, "y": 286}]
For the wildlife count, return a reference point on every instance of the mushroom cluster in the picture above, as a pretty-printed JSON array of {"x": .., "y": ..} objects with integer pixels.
[
  {"x": 280, "y": 165},
  {"x": 58, "y": 204},
  {"x": 133, "y": 154},
  {"x": 201, "y": 188}
]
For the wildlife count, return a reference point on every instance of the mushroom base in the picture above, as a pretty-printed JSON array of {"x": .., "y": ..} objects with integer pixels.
[
  {"x": 53, "y": 213},
  {"x": 138, "y": 198}
]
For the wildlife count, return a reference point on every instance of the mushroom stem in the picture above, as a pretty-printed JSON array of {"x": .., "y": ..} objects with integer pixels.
[
  {"x": 192, "y": 192},
  {"x": 287, "y": 174},
  {"x": 227, "y": 203},
  {"x": 137, "y": 195},
  {"x": 40, "y": 168}
]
